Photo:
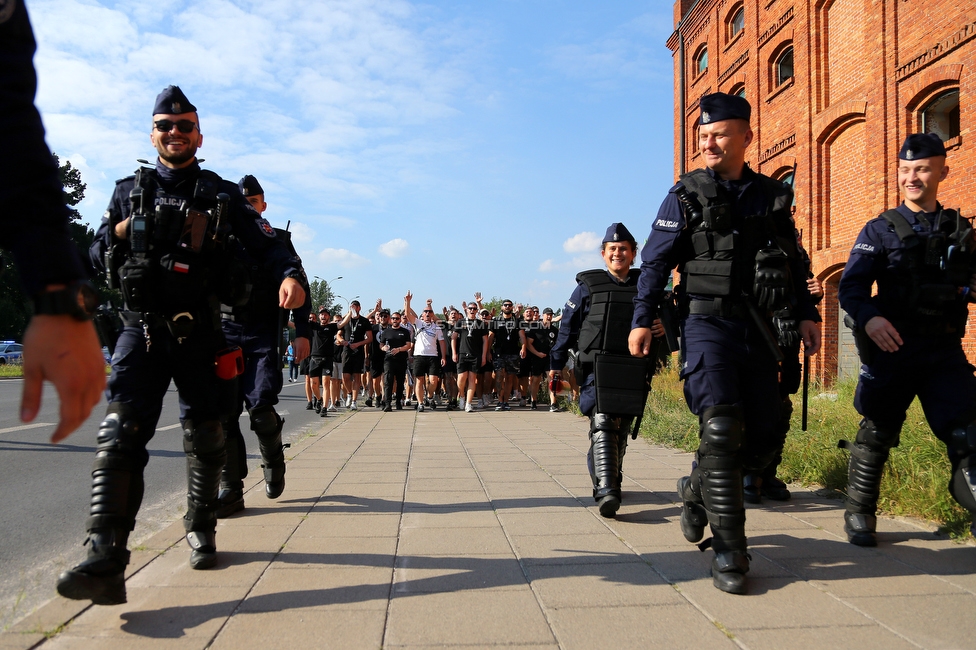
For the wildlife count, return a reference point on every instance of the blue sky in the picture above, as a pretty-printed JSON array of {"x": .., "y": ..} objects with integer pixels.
[{"x": 440, "y": 147}]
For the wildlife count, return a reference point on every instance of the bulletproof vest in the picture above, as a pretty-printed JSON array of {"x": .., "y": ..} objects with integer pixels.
[
  {"x": 174, "y": 243},
  {"x": 935, "y": 265},
  {"x": 606, "y": 326},
  {"x": 725, "y": 243}
]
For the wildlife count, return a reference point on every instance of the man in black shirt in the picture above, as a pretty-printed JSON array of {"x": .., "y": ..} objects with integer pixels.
[
  {"x": 509, "y": 349},
  {"x": 354, "y": 337},
  {"x": 396, "y": 344},
  {"x": 320, "y": 366},
  {"x": 470, "y": 342},
  {"x": 542, "y": 336},
  {"x": 377, "y": 356}
]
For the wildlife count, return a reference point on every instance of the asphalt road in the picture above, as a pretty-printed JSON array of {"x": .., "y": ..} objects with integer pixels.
[{"x": 44, "y": 488}]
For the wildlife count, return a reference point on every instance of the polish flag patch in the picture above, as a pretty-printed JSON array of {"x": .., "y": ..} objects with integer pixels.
[{"x": 181, "y": 267}]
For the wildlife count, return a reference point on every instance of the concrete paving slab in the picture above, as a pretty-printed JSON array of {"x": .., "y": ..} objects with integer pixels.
[
  {"x": 305, "y": 628},
  {"x": 930, "y": 621},
  {"x": 460, "y": 542},
  {"x": 601, "y": 585},
  {"x": 324, "y": 524},
  {"x": 416, "y": 574},
  {"x": 335, "y": 587},
  {"x": 862, "y": 637}
]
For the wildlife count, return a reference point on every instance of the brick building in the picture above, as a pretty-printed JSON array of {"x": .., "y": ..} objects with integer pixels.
[{"x": 835, "y": 87}]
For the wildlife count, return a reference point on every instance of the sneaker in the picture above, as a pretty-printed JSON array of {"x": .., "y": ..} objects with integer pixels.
[
  {"x": 399, "y": 405},
  {"x": 535, "y": 405},
  {"x": 521, "y": 401},
  {"x": 420, "y": 408},
  {"x": 468, "y": 408},
  {"x": 333, "y": 407},
  {"x": 348, "y": 401},
  {"x": 310, "y": 407},
  {"x": 353, "y": 406},
  {"x": 506, "y": 407},
  {"x": 324, "y": 413},
  {"x": 461, "y": 404},
  {"x": 369, "y": 402},
  {"x": 498, "y": 407},
  {"x": 553, "y": 408},
  {"x": 388, "y": 408}
]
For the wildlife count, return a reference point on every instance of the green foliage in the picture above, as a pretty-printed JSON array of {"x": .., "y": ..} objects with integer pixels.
[{"x": 915, "y": 479}]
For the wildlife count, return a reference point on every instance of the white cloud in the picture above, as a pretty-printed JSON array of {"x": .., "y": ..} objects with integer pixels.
[
  {"x": 395, "y": 248},
  {"x": 343, "y": 257},
  {"x": 301, "y": 233},
  {"x": 546, "y": 266},
  {"x": 582, "y": 242}
]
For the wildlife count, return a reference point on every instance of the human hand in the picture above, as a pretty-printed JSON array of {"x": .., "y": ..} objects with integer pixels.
[
  {"x": 291, "y": 295},
  {"x": 810, "y": 333},
  {"x": 815, "y": 287},
  {"x": 301, "y": 347},
  {"x": 477, "y": 297},
  {"x": 657, "y": 328},
  {"x": 65, "y": 352},
  {"x": 407, "y": 298},
  {"x": 639, "y": 341},
  {"x": 883, "y": 333}
]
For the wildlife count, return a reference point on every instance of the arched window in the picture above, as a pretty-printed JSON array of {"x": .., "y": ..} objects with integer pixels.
[
  {"x": 783, "y": 67},
  {"x": 786, "y": 177},
  {"x": 739, "y": 90},
  {"x": 701, "y": 60},
  {"x": 737, "y": 22},
  {"x": 941, "y": 115}
]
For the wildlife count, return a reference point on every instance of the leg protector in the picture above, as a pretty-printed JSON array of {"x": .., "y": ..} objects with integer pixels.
[
  {"x": 231, "y": 495},
  {"x": 693, "y": 515},
  {"x": 720, "y": 472},
  {"x": 266, "y": 423},
  {"x": 117, "y": 490},
  {"x": 962, "y": 452},
  {"x": 203, "y": 443},
  {"x": 869, "y": 453},
  {"x": 604, "y": 455}
]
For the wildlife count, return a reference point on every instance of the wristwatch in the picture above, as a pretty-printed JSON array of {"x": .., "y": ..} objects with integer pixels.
[{"x": 78, "y": 300}]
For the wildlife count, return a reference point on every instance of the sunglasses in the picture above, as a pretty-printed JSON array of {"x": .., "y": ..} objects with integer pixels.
[
  {"x": 183, "y": 126},
  {"x": 507, "y": 304}
]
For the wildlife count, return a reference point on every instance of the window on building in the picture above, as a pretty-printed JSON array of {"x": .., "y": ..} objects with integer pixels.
[
  {"x": 737, "y": 22},
  {"x": 783, "y": 68},
  {"x": 941, "y": 115},
  {"x": 701, "y": 60},
  {"x": 739, "y": 90},
  {"x": 786, "y": 177}
]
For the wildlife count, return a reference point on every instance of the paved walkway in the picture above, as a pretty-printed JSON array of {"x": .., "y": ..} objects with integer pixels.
[{"x": 409, "y": 530}]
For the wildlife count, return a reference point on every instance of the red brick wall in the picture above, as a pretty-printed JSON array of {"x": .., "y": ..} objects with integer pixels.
[{"x": 862, "y": 70}]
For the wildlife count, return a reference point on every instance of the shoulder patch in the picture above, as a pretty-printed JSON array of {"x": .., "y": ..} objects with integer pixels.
[
  {"x": 670, "y": 225},
  {"x": 571, "y": 304},
  {"x": 266, "y": 228},
  {"x": 861, "y": 246}
]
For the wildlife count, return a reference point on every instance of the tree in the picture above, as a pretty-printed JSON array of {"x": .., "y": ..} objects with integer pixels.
[{"x": 323, "y": 295}]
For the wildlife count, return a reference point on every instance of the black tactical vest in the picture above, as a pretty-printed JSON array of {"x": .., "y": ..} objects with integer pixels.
[
  {"x": 935, "y": 265},
  {"x": 607, "y": 324},
  {"x": 724, "y": 243},
  {"x": 174, "y": 244}
]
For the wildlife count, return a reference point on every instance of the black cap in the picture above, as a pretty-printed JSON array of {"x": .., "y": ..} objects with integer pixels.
[
  {"x": 547, "y": 310},
  {"x": 355, "y": 302},
  {"x": 618, "y": 232},
  {"x": 384, "y": 313},
  {"x": 250, "y": 186},
  {"x": 922, "y": 145},
  {"x": 720, "y": 106},
  {"x": 172, "y": 100}
]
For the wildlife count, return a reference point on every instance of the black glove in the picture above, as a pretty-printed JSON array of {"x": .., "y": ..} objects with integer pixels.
[
  {"x": 772, "y": 284},
  {"x": 787, "y": 334}
]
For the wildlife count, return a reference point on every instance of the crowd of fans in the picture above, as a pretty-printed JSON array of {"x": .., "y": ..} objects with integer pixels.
[{"x": 459, "y": 359}]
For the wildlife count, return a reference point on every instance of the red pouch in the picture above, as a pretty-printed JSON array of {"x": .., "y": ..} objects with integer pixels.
[{"x": 229, "y": 363}]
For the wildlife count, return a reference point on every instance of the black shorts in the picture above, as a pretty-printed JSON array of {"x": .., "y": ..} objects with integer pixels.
[
  {"x": 468, "y": 364},
  {"x": 353, "y": 361},
  {"x": 525, "y": 365},
  {"x": 449, "y": 367},
  {"x": 488, "y": 367},
  {"x": 320, "y": 367},
  {"x": 540, "y": 365},
  {"x": 303, "y": 366},
  {"x": 429, "y": 366}
]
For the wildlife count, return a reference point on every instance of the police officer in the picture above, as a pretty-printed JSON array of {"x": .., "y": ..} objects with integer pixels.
[
  {"x": 255, "y": 327},
  {"x": 163, "y": 240},
  {"x": 60, "y": 343},
  {"x": 909, "y": 334},
  {"x": 596, "y": 319},
  {"x": 731, "y": 233}
]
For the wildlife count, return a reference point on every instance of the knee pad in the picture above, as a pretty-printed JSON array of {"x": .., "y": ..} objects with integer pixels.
[
  {"x": 877, "y": 438},
  {"x": 203, "y": 439},
  {"x": 721, "y": 431},
  {"x": 604, "y": 422},
  {"x": 962, "y": 452},
  {"x": 264, "y": 421}
]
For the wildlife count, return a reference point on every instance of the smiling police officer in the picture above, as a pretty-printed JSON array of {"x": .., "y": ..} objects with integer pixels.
[
  {"x": 730, "y": 232},
  {"x": 909, "y": 335},
  {"x": 163, "y": 242}
]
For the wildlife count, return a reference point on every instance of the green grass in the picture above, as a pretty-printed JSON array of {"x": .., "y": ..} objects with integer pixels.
[
  {"x": 17, "y": 370},
  {"x": 915, "y": 479}
]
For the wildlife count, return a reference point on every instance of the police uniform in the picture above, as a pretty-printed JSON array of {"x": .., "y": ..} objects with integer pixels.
[
  {"x": 256, "y": 328},
  {"x": 171, "y": 270},
  {"x": 34, "y": 218},
  {"x": 922, "y": 269},
  {"x": 735, "y": 245},
  {"x": 596, "y": 322}
]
